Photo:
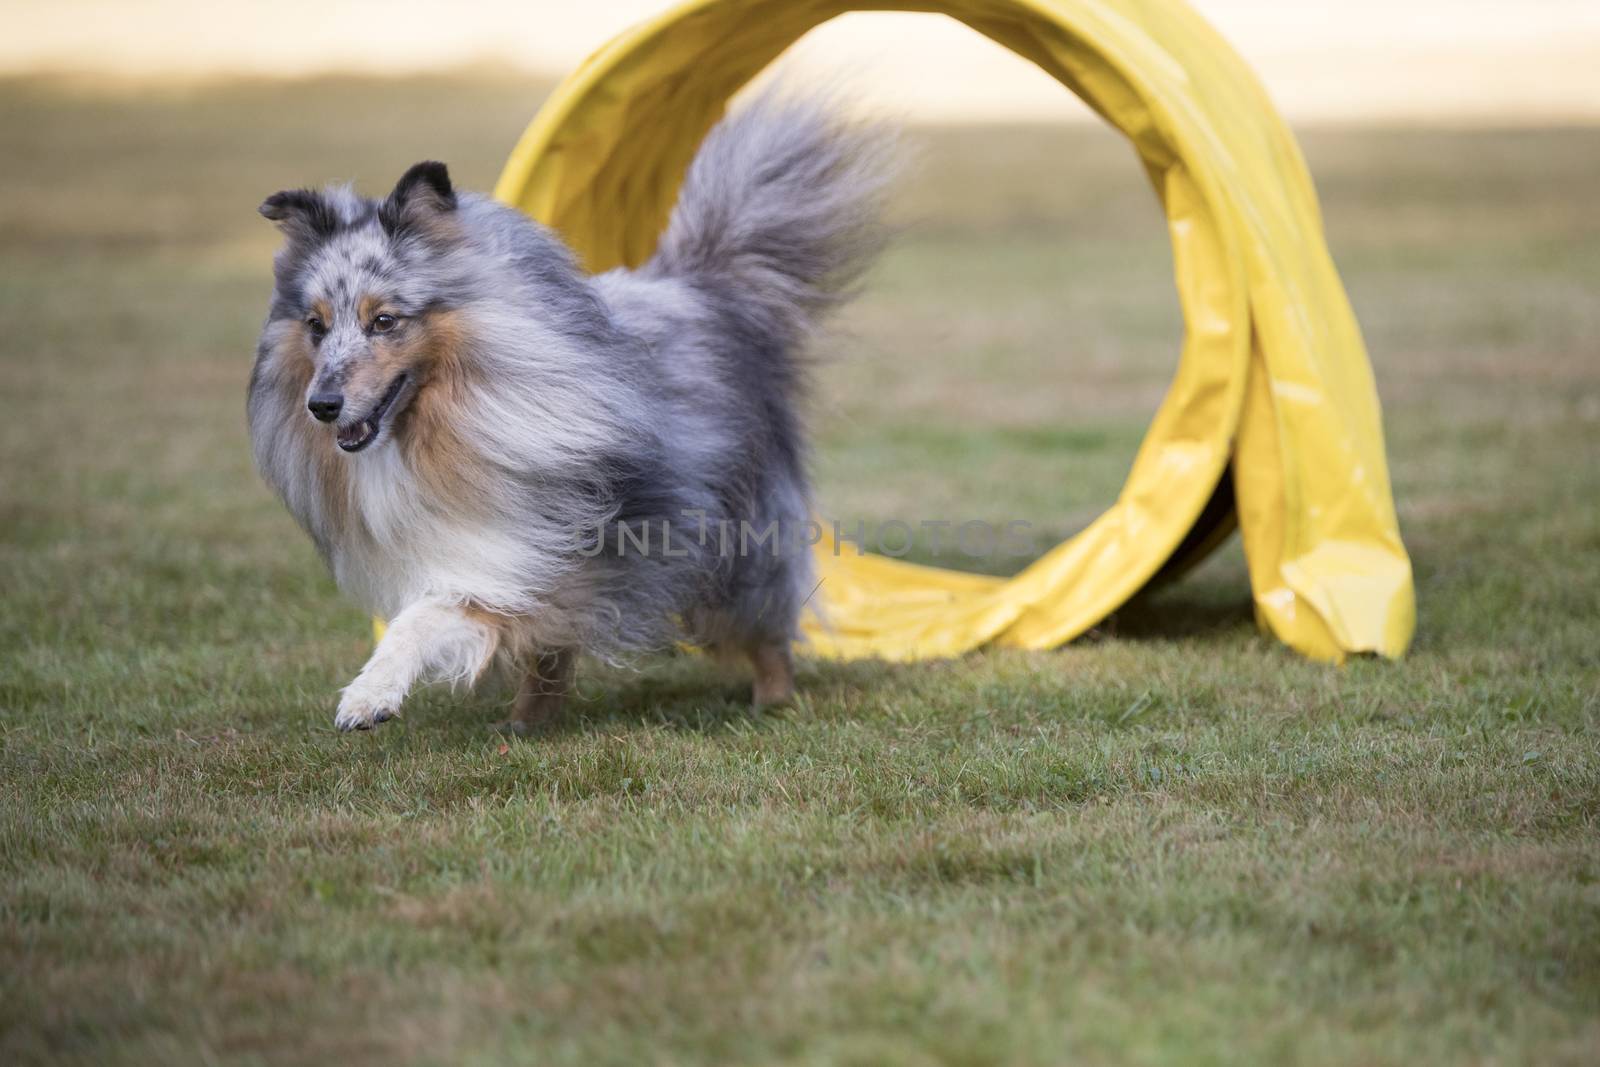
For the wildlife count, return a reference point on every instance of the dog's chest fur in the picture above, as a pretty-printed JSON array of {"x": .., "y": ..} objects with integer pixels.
[{"x": 405, "y": 542}]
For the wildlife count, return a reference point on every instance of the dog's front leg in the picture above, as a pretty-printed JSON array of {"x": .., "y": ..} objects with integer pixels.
[{"x": 432, "y": 640}]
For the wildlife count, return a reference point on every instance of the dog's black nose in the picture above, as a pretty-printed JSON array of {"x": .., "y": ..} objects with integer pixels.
[{"x": 325, "y": 406}]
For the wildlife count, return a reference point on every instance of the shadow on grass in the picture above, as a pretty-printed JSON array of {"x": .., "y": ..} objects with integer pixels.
[
  {"x": 1201, "y": 611},
  {"x": 695, "y": 695},
  {"x": 691, "y": 693},
  {"x": 682, "y": 692}
]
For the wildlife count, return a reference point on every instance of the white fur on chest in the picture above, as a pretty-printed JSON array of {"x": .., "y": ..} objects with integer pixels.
[{"x": 408, "y": 545}]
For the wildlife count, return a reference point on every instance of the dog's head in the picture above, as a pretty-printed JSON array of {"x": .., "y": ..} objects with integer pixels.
[{"x": 364, "y": 294}]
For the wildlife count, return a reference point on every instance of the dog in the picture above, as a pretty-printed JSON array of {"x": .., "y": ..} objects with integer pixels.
[{"x": 474, "y": 431}]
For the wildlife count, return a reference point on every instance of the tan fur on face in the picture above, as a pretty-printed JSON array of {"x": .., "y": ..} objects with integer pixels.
[
  {"x": 433, "y": 446},
  {"x": 388, "y": 356},
  {"x": 432, "y": 348},
  {"x": 370, "y": 308},
  {"x": 293, "y": 367}
]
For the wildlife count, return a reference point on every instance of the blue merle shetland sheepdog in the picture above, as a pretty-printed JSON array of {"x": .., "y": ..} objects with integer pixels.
[{"x": 458, "y": 414}]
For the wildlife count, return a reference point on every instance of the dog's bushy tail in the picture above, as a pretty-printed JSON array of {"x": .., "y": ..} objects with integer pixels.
[{"x": 781, "y": 212}]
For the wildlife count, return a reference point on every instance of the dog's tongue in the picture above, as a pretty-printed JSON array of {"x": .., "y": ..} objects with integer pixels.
[{"x": 350, "y": 436}]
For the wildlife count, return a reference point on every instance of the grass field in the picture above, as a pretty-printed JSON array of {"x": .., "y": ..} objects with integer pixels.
[{"x": 1172, "y": 841}]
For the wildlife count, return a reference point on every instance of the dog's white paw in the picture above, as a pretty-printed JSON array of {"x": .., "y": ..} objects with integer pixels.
[{"x": 362, "y": 708}]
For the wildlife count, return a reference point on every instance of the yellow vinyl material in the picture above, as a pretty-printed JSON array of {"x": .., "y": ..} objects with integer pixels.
[{"x": 1273, "y": 377}]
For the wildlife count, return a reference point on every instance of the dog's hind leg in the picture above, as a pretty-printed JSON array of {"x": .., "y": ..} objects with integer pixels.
[
  {"x": 432, "y": 640},
  {"x": 544, "y": 691},
  {"x": 774, "y": 666}
]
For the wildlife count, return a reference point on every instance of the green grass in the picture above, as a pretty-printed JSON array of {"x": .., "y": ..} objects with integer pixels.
[{"x": 1172, "y": 841}]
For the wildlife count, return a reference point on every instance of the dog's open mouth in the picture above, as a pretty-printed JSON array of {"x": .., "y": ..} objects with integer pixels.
[{"x": 359, "y": 435}]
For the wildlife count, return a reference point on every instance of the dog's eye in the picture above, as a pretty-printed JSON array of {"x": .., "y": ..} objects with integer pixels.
[
  {"x": 316, "y": 326},
  {"x": 384, "y": 323}
]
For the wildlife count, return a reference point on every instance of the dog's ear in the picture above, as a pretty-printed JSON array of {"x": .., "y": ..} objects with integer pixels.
[
  {"x": 422, "y": 194},
  {"x": 302, "y": 214},
  {"x": 425, "y": 184}
]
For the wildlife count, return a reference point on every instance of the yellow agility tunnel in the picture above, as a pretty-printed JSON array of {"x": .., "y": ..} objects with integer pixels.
[{"x": 1272, "y": 417}]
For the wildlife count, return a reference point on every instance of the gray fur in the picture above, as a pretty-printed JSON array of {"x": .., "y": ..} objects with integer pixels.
[{"x": 634, "y": 396}]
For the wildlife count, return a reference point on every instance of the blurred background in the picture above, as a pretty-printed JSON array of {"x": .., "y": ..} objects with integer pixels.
[{"x": 1454, "y": 60}]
